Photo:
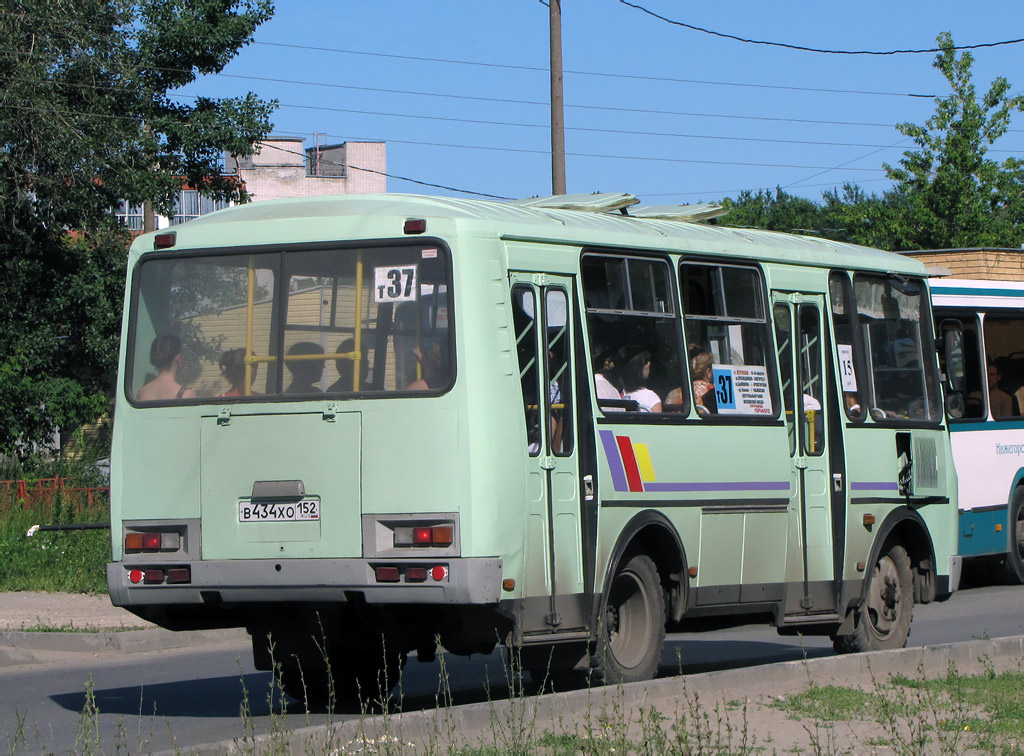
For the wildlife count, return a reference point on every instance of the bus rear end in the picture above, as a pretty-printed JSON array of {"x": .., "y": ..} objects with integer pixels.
[{"x": 267, "y": 394}]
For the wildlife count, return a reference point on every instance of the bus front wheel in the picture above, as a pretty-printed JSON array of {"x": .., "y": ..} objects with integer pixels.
[
  {"x": 1012, "y": 572},
  {"x": 883, "y": 619},
  {"x": 632, "y": 624}
]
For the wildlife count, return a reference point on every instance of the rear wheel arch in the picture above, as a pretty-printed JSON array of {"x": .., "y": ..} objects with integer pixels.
[{"x": 650, "y": 533}]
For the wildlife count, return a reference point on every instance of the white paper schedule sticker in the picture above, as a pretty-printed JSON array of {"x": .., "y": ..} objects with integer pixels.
[
  {"x": 394, "y": 283},
  {"x": 846, "y": 371},
  {"x": 741, "y": 390}
]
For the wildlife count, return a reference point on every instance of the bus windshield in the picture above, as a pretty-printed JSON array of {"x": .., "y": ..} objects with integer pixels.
[{"x": 306, "y": 323}]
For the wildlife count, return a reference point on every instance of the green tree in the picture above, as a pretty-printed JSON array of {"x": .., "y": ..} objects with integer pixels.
[
  {"x": 948, "y": 194},
  {"x": 89, "y": 118},
  {"x": 772, "y": 210}
]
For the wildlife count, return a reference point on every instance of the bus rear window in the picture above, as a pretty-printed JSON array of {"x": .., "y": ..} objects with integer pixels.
[{"x": 303, "y": 323}]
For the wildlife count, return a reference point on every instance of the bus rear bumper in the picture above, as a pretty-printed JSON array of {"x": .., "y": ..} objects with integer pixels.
[{"x": 242, "y": 581}]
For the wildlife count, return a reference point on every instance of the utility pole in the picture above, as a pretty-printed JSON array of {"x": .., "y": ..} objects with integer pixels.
[{"x": 557, "y": 114}]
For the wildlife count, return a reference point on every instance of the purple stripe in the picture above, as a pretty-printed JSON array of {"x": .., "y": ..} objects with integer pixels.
[
  {"x": 611, "y": 451},
  {"x": 770, "y": 485},
  {"x": 879, "y": 486}
]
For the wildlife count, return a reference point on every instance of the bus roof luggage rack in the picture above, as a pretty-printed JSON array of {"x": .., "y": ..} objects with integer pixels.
[
  {"x": 691, "y": 213},
  {"x": 590, "y": 203},
  {"x": 608, "y": 203}
]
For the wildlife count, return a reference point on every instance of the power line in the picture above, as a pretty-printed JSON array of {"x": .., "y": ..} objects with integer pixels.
[
  {"x": 634, "y": 77},
  {"x": 801, "y": 48}
]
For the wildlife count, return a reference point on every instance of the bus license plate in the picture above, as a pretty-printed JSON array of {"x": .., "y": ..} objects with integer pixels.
[{"x": 279, "y": 511}]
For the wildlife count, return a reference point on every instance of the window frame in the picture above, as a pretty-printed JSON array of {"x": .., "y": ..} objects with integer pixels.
[
  {"x": 770, "y": 347},
  {"x": 927, "y": 322},
  {"x": 279, "y": 312},
  {"x": 674, "y": 314}
]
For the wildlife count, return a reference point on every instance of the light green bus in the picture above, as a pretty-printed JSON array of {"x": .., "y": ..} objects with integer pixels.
[{"x": 362, "y": 425}]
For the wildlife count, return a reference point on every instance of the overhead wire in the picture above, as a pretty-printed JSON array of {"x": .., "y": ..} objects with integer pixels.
[{"x": 801, "y": 48}]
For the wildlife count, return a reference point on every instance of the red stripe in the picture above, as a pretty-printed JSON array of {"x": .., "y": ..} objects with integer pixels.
[{"x": 629, "y": 462}]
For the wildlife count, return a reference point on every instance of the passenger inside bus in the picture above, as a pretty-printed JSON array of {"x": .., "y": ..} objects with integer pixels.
[
  {"x": 703, "y": 388},
  {"x": 607, "y": 384},
  {"x": 305, "y": 372},
  {"x": 232, "y": 367},
  {"x": 346, "y": 369},
  {"x": 165, "y": 356},
  {"x": 635, "y": 373},
  {"x": 1001, "y": 403},
  {"x": 434, "y": 367}
]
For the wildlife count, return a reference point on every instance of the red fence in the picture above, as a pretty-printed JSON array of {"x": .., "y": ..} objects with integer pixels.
[{"x": 43, "y": 493}]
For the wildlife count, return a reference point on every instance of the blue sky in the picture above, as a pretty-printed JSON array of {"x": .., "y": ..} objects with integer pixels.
[{"x": 380, "y": 74}]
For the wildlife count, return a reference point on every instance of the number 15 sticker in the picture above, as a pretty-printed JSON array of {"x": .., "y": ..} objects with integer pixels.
[{"x": 396, "y": 284}]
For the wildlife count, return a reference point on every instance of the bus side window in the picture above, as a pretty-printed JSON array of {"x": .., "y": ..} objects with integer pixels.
[
  {"x": 633, "y": 330},
  {"x": 726, "y": 323},
  {"x": 848, "y": 350},
  {"x": 524, "y": 319}
]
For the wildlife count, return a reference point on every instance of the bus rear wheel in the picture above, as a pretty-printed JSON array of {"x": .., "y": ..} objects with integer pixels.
[
  {"x": 883, "y": 619},
  {"x": 632, "y": 624}
]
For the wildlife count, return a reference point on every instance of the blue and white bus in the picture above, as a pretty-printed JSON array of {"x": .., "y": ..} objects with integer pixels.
[{"x": 988, "y": 440}]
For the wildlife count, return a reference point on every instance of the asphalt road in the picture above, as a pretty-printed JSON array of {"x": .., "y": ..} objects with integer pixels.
[{"x": 177, "y": 698}]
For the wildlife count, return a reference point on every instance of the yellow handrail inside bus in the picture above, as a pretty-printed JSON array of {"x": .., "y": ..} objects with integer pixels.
[
  {"x": 248, "y": 324},
  {"x": 358, "y": 325}
]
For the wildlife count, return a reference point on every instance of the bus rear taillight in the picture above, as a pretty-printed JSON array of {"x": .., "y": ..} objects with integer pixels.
[
  {"x": 437, "y": 535},
  {"x": 134, "y": 542}
]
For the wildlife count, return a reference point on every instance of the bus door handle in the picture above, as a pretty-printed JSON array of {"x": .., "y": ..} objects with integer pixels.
[
  {"x": 837, "y": 482},
  {"x": 588, "y": 487},
  {"x": 224, "y": 416}
]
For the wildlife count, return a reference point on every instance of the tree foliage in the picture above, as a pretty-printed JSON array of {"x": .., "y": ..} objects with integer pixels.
[
  {"x": 88, "y": 118},
  {"x": 947, "y": 193}
]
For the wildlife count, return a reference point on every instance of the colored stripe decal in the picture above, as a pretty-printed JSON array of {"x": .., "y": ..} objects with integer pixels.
[
  {"x": 643, "y": 461},
  {"x": 863, "y": 486},
  {"x": 990, "y": 425},
  {"x": 629, "y": 461},
  {"x": 611, "y": 451},
  {"x": 768, "y": 485},
  {"x": 965, "y": 292}
]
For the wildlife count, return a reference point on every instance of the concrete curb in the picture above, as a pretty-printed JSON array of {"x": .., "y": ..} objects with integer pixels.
[
  {"x": 15, "y": 644},
  {"x": 474, "y": 719}
]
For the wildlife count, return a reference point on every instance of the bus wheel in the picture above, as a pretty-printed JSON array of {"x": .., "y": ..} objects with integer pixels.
[
  {"x": 883, "y": 620},
  {"x": 632, "y": 628},
  {"x": 1012, "y": 572}
]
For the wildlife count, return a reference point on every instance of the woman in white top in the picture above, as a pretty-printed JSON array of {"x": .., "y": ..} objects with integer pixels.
[{"x": 635, "y": 372}]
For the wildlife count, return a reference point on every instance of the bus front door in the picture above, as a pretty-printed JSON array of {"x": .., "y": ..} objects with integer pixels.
[
  {"x": 542, "y": 314},
  {"x": 799, "y": 334}
]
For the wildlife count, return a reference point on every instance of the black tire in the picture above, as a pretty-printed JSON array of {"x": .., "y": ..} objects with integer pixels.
[
  {"x": 632, "y": 625},
  {"x": 1011, "y": 571},
  {"x": 882, "y": 621}
]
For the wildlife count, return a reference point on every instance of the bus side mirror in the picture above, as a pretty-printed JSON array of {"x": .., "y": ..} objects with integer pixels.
[{"x": 953, "y": 354}]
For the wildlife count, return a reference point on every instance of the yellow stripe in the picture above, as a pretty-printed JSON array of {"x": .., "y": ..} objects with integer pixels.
[{"x": 643, "y": 462}]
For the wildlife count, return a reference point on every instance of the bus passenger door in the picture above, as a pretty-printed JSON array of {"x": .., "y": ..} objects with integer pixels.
[
  {"x": 799, "y": 337},
  {"x": 543, "y": 319}
]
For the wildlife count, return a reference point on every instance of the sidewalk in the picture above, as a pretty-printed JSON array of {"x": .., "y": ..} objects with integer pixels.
[
  {"x": 26, "y": 610},
  {"x": 35, "y": 625}
]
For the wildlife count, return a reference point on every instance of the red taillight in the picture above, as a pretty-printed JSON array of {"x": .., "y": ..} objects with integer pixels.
[
  {"x": 415, "y": 225},
  {"x": 416, "y": 574},
  {"x": 164, "y": 241},
  {"x": 151, "y": 542},
  {"x": 133, "y": 542},
  {"x": 439, "y": 573},
  {"x": 422, "y": 535},
  {"x": 386, "y": 574},
  {"x": 136, "y": 576},
  {"x": 154, "y": 576},
  {"x": 179, "y": 575}
]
